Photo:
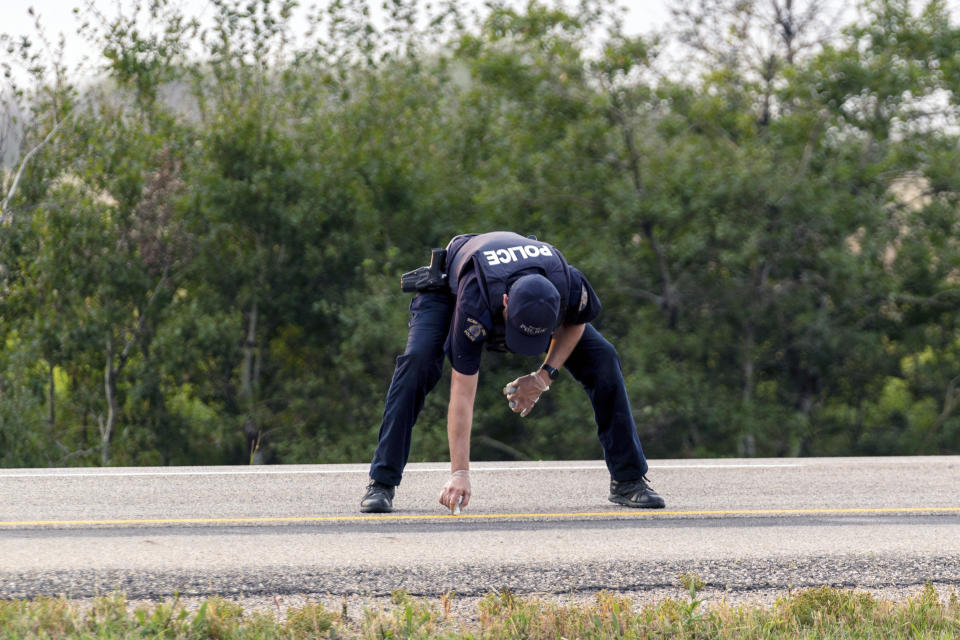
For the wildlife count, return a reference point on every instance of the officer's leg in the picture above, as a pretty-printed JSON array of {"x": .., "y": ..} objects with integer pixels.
[
  {"x": 417, "y": 372},
  {"x": 595, "y": 364}
]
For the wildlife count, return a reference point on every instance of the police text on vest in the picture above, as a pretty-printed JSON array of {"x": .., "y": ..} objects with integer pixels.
[{"x": 514, "y": 254}]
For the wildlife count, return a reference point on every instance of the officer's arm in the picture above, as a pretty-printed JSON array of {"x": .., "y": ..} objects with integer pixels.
[
  {"x": 564, "y": 341},
  {"x": 524, "y": 392},
  {"x": 463, "y": 392}
]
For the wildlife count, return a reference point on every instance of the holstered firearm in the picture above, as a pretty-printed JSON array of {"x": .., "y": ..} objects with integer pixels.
[{"x": 429, "y": 278}]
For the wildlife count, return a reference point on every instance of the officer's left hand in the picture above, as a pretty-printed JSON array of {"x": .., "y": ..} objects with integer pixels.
[{"x": 524, "y": 392}]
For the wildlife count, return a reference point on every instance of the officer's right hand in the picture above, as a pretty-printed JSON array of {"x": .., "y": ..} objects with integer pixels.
[{"x": 456, "y": 490}]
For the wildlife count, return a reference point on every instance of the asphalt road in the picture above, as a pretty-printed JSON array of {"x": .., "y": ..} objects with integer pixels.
[{"x": 545, "y": 528}]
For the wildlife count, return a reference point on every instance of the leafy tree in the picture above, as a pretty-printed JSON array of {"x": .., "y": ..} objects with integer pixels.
[{"x": 199, "y": 254}]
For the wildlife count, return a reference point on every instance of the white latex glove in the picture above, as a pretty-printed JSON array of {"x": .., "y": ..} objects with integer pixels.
[
  {"x": 456, "y": 493},
  {"x": 524, "y": 392}
]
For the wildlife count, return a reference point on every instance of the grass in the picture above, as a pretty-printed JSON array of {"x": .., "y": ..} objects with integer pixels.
[{"x": 814, "y": 613}]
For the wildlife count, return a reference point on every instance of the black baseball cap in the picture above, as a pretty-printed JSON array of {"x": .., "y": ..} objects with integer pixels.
[{"x": 532, "y": 310}]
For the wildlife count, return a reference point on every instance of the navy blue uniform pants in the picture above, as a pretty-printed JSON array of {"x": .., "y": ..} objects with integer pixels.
[{"x": 594, "y": 364}]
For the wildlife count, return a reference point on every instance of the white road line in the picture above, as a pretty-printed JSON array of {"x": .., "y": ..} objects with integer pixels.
[
  {"x": 785, "y": 465},
  {"x": 281, "y": 470},
  {"x": 266, "y": 471},
  {"x": 167, "y": 474}
]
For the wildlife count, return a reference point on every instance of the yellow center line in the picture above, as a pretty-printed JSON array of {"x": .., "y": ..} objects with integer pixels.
[{"x": 619, "y": 515}]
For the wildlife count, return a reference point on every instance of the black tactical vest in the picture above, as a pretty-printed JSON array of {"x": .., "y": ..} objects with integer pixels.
[{"x": 498, "y": 257}]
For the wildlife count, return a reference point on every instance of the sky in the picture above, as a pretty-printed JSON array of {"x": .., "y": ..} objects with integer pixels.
[
  {"x": 642, "y": 16},
  {"x": 57, "y": 16}
]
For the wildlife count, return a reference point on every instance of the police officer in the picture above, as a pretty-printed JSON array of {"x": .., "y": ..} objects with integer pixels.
[{"x": 511, "y": 293}]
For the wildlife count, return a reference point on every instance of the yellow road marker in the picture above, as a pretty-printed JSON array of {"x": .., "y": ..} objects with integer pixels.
[{"x": 616, "y": 515}]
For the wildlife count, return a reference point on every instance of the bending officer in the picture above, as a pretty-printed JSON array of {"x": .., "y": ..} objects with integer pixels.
[{"x": 510, "y": 293}]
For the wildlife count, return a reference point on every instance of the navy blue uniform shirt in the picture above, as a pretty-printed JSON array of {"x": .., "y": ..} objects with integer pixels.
[{"x": 473, "y": 322}]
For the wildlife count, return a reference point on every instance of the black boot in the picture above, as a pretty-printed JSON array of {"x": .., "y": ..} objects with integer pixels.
[
  {"x": 378, "y": 498},
  {"x": 635, "y": 493}
]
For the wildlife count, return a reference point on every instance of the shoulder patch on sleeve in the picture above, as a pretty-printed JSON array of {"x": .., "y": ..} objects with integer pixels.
[{"x": 475, "y": 330}]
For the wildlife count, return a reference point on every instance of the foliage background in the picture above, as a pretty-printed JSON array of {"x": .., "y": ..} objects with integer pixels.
[{"x": 200, "y": 251}]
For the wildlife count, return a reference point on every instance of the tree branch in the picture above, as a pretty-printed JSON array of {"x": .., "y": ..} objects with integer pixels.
[
  {"x": 4, "y": 218},
  {"x": 503, "y": 447},
  {"x": 140, "y": 323},
  {"x": 950, "y": 400},
  {"x": 69, "y": 455},
  {"x": 645, "y": 295},
  {"x": 940, "y": 298},
  {"x": 617, "y": 113}
]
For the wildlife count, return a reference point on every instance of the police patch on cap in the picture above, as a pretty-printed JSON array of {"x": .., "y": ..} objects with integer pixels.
[
  {"x": 584, "y": 298},
  {"x": 475, "y": 331},
  {"x": 532, "y": 331}
]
